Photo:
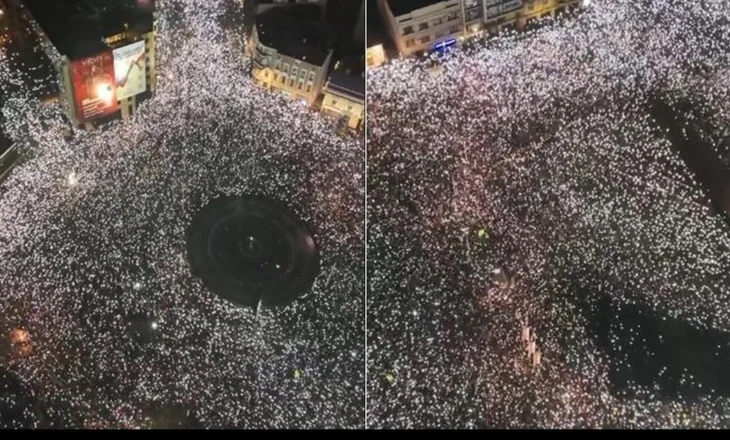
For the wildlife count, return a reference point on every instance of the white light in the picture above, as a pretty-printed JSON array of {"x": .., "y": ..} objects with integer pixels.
[
  {"x": 105, "y": 92},
  {"x": 155, "y": 325},
  {"x": 72, "y": 179},
  {"x": 137, "y": 285}
]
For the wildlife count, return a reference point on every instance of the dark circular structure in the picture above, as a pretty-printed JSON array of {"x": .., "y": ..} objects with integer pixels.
[{"x": 250, "y": 250}]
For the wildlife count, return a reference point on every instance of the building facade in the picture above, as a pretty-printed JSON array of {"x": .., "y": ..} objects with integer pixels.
[
  {"x": 289, "y": 56},
  {"x": 473, "y": 16},
  {"x": 499, "y": 14},
  {"x": 533, "y": 10},
  {"x": 418, "y": 26},
  {"x": 344, "y": 99},
  {"x": 104, "y": 72},
  {"x": 375, "y": 55}
]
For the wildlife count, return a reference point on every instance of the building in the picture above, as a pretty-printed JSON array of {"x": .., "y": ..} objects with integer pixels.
[
  {"x": 104, "y": 52},
  {"x": 473, "y": 11},
  {"x": 533, "y": 10},
  {"x": 375, "y": 54},
  {"x": 344, "y": 98},
  {"x": 418, "y": 26},
  {"x": 291, "y": 52},
  {"x": 501, "y": 14}
]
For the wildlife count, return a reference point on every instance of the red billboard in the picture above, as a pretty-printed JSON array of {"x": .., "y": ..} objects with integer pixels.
[{"x": 94, "y": 86}]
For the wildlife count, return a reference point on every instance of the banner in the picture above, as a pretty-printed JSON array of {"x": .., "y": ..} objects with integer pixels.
[
  {"x": 129, "y": 70},
  {"x": 93, "y": 86}
]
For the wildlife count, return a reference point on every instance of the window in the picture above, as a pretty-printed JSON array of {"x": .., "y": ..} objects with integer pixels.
[
  {"x": 438, "y": 21},
  {"x": 286, "y": 68},
  {"x": 300, "y": 86},
  {"x": 407, "y": 30},
  {"x": 302, "y": 73},
  {"x": 452, "y": 16},
  {"x": 425, "y": 39},
  {"x": 334, "y": 101},
  {"x": 294, "y": 71},
  {"x": 276, "y": 77},
  {"x": 423, "y": 26},
  {"x": 291, "y": 82},
  {"x": 309, "y": 88},
  {"x": 454, "y": 29},
  {"x": 410, "y": 42},
  {"x": 349, "y": 108},
  {"x": 311, "y": 76}
]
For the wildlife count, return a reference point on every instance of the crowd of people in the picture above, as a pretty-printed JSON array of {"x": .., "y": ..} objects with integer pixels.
[
  {"x": 95, "y": 269},
  {"x": 536, "y": 154}
]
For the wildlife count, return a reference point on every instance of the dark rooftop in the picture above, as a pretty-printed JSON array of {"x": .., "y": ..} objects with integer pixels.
[
  {"x": 77, "y": 27},
  {"x": 295, "y": 31},
  {"x": 401, "y": 7},
  {"x": 375, "y": 38},
  {"x": 349, "y": 83}
]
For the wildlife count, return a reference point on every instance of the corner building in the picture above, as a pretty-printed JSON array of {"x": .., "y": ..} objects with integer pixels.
[
  {"x": 290, "y": 52},
  {"x": 104, "y": 52}
]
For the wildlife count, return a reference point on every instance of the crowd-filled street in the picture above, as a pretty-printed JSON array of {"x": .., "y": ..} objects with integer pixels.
[
  {"x": 539, "y": 253},
  {"x": 104, "y": 324}
]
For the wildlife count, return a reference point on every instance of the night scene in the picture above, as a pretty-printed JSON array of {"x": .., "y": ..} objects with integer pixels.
[
  {"x": 182, "y": 217},
  {"x": 365, "y": 214},
  {"x": 547, "y": 200}
]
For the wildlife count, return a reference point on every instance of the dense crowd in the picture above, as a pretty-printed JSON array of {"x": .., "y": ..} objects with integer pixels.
[
  {"x": 538, "y": 250},
  {"x": 117, "y": 331}
]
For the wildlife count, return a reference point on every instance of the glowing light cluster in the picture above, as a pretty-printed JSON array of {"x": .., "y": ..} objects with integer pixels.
[
  {"x": 537, "y": 153},
  {"x": 93, "y": 249}
]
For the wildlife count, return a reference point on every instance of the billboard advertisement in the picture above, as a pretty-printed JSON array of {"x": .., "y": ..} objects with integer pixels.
[
  {"x": 129, "y": 70},
  {"x": 94, "y": 86}
]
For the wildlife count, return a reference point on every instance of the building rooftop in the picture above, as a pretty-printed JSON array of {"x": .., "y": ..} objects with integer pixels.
[
  {"x": 375, "y": 38},
  {"x": 296, "y": 32},
  {"x": 402, "y": 7},
  {"x": 350, "y": 84},
  {"x": 77, "y": 27}
]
